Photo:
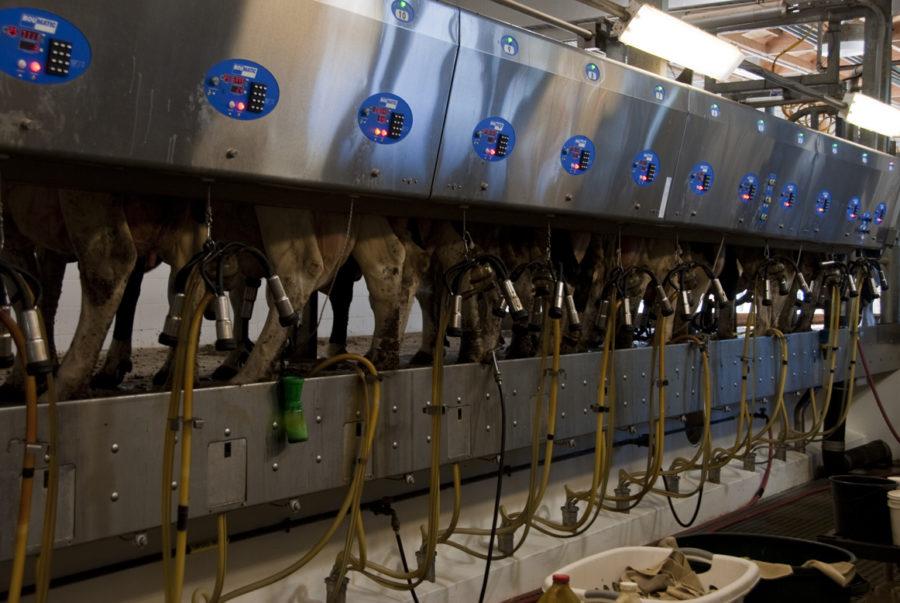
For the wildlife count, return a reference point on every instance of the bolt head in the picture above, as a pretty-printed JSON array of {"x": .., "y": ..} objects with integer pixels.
[
  {"x": 227, "y": 432},
  {"x": 275, "y": 466},
  {"x": 114, "y": 448},
  {"x": 114, "y": 496}
]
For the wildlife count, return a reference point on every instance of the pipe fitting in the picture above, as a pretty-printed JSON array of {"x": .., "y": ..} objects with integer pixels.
[
  {"x": 37, "y": 353},
  {"x": 251, "y": 289},
  {"x": 556, "y": 309},
  {"x": 537, "y": 314},
  {"x": 626, "y": 307},
  {"x": 287, "y": 317},
  {"x": 512, "y": 298},
  {"x": 169, "y": 335},
  {"x": 454, "y": 329},
  {"x": 665, "y": 305},
  {"x": 224, "y": 325},
  {"x": 768, "y": 295},
  {"x": 572, "y": 312}
]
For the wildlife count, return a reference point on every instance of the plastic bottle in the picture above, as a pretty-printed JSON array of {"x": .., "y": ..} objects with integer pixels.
[
  {"x": 560, "y": 592},
  {"x": 290, "y": 390},
  {"x": 628, "y": 593}
]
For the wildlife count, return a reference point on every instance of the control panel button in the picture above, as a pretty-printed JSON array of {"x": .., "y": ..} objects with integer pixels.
[
  {"x": 241, "y": 89},
  {"x": 880, "y": 214},
  {"x": 789, "y": 194},
  {"x": 823, "y": 203},
  {"x": 701, "y": 178},
  {"x": 494, "y": 139},
  {"x": 748, "y": 189},
  {"x": 645, "y": 168},
  {"x": 762, "y": 214},
  {"x": 385, "y": 118},
  {"x": 854, "y": 206},
  {"x": 41, "y": 47},
  {"x": 577, "y": 155}
]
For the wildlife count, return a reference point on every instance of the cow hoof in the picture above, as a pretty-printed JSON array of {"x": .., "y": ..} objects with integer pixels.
[
  {"x": 112, "y": 379},
  {"x": 385, "y": 361},
  {"x": 422, "y": 359},
  {"x": 161, "y": 377},
  {"x": 224, "y": 373}
]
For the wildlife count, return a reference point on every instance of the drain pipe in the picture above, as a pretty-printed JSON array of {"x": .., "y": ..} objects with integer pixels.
[
  {"x": 736, "y": 16},
  {"x": 609, "y": 7}
]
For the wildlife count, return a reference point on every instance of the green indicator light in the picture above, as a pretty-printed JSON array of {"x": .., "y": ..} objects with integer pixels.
[
  {"x": 403, "y": 5},
  {"x": 509, "y": 40}
]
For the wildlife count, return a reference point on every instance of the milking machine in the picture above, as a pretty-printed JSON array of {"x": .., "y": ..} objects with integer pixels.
[{"x": 28, "y": 336}]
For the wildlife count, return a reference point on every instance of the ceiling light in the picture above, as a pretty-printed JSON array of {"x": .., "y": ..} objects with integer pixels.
[
  {"x": 871, "y": 114},
  {"x": 670, "y": 38}
]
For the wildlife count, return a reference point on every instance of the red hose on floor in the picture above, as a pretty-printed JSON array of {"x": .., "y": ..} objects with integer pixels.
[{"x": 862, "y": 356}]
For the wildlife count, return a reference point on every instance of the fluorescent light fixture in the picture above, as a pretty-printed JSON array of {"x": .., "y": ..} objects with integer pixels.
[
  {"x": 871, "y": 114},
  {"x": 670, "y": 38}
]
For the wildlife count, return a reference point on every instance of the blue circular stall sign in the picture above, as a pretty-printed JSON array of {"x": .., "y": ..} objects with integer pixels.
[
  {"x": 701, "y": 178},
  {"x": 509, "y": 45},
  {"x": 645, "y": 168},
  {"x": 823, "y": 203},
  {"x": 789, "y": 194},
  {"x": 748, "y": 188},
  {"x": 578, "y": 155},
  {"x": 403, "y": 11},
  {"x": 592, "y": 72},
  {"x": 494, "y": 139},
  {"x": 853, "y": 207},
  {"x": 385, "y": 118},
  {"x": 880, "y": 213},
  {"x": 41, "y": 47},
  {"x": 241, "y": 89}
]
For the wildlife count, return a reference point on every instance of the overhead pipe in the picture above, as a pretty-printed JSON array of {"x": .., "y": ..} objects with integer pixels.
[
  {"x": 609, "y": 7},
  {"x": 547, "y": 18},
  {"x": 722, "y": 19},
  {"x": 790, "y": 84}
]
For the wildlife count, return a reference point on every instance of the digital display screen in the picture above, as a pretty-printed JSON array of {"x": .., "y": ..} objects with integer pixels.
[
  {"x": 28, "y": 46},
  {"x": 237, "y": 79},
  {"x": 237, "y": 89},
  {"x": 27, "y": 34}
]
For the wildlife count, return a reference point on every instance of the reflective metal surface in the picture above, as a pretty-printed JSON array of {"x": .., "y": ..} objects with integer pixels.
[
  {"x": 142, "y": 102},
  {"x": 110, "y": 449}
]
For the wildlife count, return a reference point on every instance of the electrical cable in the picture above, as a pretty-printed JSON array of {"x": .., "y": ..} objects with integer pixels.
[{"x": 501, "y": 461}]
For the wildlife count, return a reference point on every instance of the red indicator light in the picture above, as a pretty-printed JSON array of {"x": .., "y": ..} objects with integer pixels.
[
  {"x": 35, "y": 66},
  {"x": 492, "y": 152},
  {"x": 699, "y": 187},
  {"x": 643, "y": 178},
  {"x": 10, "y": 30},
  {"x": 241, "y": 106},
  {"x": 745, "y": 196}
]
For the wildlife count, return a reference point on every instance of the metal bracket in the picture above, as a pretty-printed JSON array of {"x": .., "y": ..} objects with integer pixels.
[
  {"x": 622, "y": 491},
  {"x": 430, "y": 409},
  {"x": 715, "y": 475},
  {"x": 674, "y": 484},
  {"x": 334, "y": 592},
  {"x": 750, "y": 461},
  {"x": 420, "y": 559},
  {"x": 569, "y": 513},
  {"x": 506, "y": 541}
]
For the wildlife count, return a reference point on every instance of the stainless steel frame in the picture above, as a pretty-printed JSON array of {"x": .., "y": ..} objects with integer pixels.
[
  {"x": 109, "y": 448},
  {"x": 141, "y": 104}
]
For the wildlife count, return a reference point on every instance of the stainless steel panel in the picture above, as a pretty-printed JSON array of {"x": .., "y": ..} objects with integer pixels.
[
  {"x": 142, "y": 100},
  {"x": 226, "y": 468},
  {"x": 736, "y": 141},
  {"x": 65, "y": 508},
  {"x": 847, "y": 170},
  {"x": 115, "y": 442},
  {"x": 543, "y": 91}
]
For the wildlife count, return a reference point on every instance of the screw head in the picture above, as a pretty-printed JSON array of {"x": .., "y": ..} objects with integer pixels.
[
  {"x": 114, "y": 448},
  {"x": 275, "y": 466},
  {"x": 394, "y": 408},
  {"x": 227, "y": 432},
  {"x": 394, "y": 445},
  {"x": 487, "y": 427},
  {"x": 318, "y": 458},
  {"x": 114, "y": 496},
  {"x": 274, "y": 425},
  {"x": 318, "y": 418},
  {"x": 174, "y": 485}
]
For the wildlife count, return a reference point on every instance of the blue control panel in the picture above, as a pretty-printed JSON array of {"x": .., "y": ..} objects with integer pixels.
[
  {"x": 701, "y": 178},
  {"x": 789, "y": 194},
  {"x": 865, "y": 223},
  {"x": 40, "y": 47},
  {"x": 823, "y": 203},
  {"x": 880, "y": 214},
  {"x": 748, "y": 189},
  {"x": 768, "y": 198},
  {"x": 578, "y": 155},
  {"x": 645, "y": 168},
  {"x": 385, "y": 118},
  {"x": 853, "y": 207},
  {"x": 494, "y": 139},
  {"x": 241, "y": 89},
  {"x": 403, "y": 11}
]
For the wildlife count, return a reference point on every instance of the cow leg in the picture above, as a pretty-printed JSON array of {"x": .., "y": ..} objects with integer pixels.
[
  {"x": 118, "y": 357},
  {"x": 430, "y": 310},
  {"x": 289, "y": 241},
  {"x": 381, "y": 257},
  {"x": 106, "y": 254},
  {"x": 341, "y": 297}
]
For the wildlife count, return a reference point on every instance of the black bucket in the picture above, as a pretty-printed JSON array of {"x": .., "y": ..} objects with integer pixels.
[
  {"x": 805, "y": 584},
  {"x": 860, "y": 507}
]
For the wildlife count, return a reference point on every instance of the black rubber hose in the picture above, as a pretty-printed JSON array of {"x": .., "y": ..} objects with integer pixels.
[
  {"x": 395, "y": 525},
  {"x": 696, "y": 508},
  {"x": 497, "y": 494}
]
